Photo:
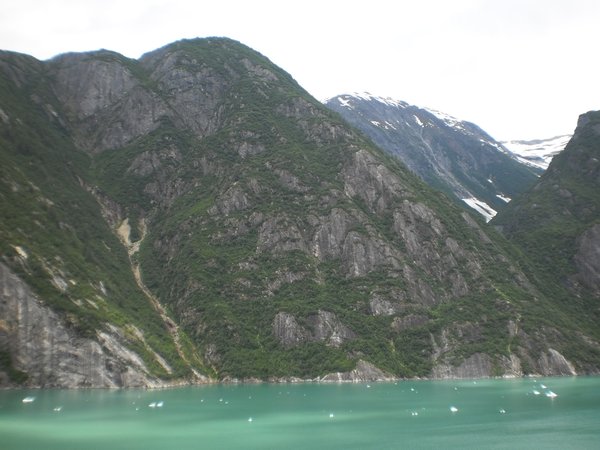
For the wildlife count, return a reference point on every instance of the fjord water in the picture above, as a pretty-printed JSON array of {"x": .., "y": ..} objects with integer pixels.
[{"x": 506, "y": 414}]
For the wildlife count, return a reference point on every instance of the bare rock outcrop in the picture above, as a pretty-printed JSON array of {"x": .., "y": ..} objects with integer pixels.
[
  {"x": 363, "y": 372},
  {"x": 324, "y": 326},
  {"x": 552, "y": 362},
  {"x": 287, "y": 330},
  {"x": 41, "y": 345},
  {"x": 478, "y": 365},
  {"x": 587, "y": 259}
]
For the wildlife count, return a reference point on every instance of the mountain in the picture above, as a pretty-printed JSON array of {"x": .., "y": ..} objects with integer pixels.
[
  {"x": 455, "y": 156},
  {"x": 538, "y": 152},
  {"x": 557, "y": 221},
  {"x": 194, "y": 215}
]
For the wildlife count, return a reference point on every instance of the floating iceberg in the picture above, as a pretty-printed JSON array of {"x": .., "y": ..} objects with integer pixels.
[
  {"x": 453, "y": 409},
  {"x": 28, "y": 400}
]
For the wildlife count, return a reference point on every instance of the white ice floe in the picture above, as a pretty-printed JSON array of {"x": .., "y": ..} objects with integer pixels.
[
  {"x": 28, "y": 400},
  {"x": 331, "y": 415},
  {"x": 551, "y": 394},
  {"x": 249, "y": 419},
  {"x": 57, "y": 409},
  {"x": 453, "y": 409},
  {"x": 502, "y": 411},
  {"x": 543, "y": 386},
  {"x": 536, "y": 392},
  {"x": 152, "y": 405},
  {"x": 414, "y": 413},
  {"x": 160, "y": 404}
]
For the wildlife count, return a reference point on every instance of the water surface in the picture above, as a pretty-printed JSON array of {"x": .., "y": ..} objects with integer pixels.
[{"x": 497, "y": 414}]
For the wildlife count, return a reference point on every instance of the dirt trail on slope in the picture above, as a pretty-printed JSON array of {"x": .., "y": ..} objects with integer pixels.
[{"x": 123, "y": 231}]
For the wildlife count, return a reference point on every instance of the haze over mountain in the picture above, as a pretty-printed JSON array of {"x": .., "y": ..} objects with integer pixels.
[
  {"x": 195, "y": 215},
  {"x": 455, "y": 156}
]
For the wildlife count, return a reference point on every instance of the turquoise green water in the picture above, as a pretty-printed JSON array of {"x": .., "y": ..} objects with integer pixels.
[{"x": 501, "y": 414}]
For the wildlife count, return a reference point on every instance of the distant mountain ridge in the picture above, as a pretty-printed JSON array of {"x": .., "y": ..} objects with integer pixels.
[{"x": 453, "y": 155}]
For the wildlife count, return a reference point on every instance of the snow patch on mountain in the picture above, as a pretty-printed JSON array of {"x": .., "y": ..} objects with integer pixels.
[
  {"x": 346, "y": 99},
  {"x": 481, "y": 207},
  {"x": 446, "y": 118},
  {"x": 539, "y": 152},
  {"x": 345, "y": 102}
]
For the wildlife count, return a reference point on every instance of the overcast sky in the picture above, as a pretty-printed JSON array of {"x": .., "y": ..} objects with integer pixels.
[{"x": 520, "y": 69}]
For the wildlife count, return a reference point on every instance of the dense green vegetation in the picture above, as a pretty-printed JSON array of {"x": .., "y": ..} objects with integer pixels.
[
  {"x": 548, "y": 221},
  {"x": 234, "y": 205},
  {"x": 52, "y": 233}
]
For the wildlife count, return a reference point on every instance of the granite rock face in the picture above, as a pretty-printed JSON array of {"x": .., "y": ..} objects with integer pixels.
[
  {"x": 322, "y": 327},
  {"x": 363, "y": 372},
  {"x": 42, "y": 345}
]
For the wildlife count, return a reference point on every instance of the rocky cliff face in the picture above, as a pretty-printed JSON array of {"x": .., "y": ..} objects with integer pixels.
[
  {"x": 260, "y": 235},
  {"x": 42, "y": 346}
]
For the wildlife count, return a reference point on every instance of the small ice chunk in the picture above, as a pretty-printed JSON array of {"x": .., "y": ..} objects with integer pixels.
[
  {"x": 502, "y": 411},
  {"x": 249, "y": 419},
  {"x": 28, "y": 400},
  {"x": 535, "y": 392},
  {"x": 453, "y": 409},
  {"x": 57, "y": 409},
  {"x": 331, "y": 416},
  {"x": 160, "y": 404},
  {"x": 551, "y": 394},
  {"x": 152, "y": 405},
  {"x": 543, "y": 386}
]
